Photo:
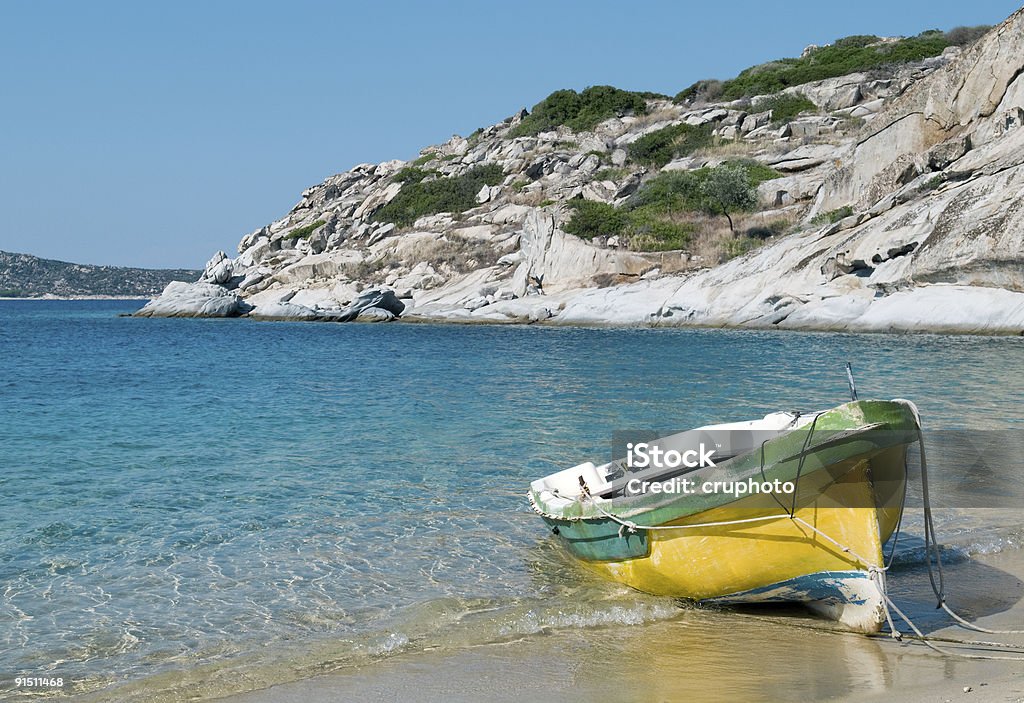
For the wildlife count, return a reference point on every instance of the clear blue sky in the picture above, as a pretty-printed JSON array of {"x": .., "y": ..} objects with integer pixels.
[{"x": 153, "y": 134}]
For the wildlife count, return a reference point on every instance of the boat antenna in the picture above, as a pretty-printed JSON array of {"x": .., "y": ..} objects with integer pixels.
[{"x": 849, "y": 378}]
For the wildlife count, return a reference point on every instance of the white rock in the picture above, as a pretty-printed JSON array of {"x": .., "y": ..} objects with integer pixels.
[
  {"x": 181, "y": 299},
  {"x": 374, "y": 314},
  {"x": 219, "y": 269},
  {"x": 475, "y": 303},
  {"x": 511, "y": 259},
  {"x": 282, "y": 311}
]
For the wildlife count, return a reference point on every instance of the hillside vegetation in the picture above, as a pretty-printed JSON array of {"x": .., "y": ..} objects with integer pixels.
[
  {"x": 869, "y": 185},
  {"x": 844, "y": 56},
  {"x": 22, "y": 275}
]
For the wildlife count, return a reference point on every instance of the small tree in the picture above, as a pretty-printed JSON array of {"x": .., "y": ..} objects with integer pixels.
[{"x": 726, "y": 188}]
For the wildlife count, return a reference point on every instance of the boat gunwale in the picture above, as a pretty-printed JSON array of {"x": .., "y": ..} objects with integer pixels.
[{"x": 661, "y": 508}]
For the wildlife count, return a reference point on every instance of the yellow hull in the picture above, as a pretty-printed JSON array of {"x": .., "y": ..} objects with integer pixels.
[{"x": 749, "y": 558}]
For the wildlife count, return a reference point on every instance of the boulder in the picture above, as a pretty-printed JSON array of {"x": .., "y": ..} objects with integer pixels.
[
  {"x": 376, "y": 200},
  {"x": 181, "y": 299},
  {"x": 219, "y": 269},
  {"x": 253, "y": 278},
  {"x": 283, "y": 311},
  {"x": 373, "y": 298},
  {"x": 752, "y": 122},
  {"x": 476, "y": 303},
  {"x": 375, "y": 314}
]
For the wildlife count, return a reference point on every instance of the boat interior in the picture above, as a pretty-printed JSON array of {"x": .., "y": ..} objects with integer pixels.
[{"x": 610, "y": 480}]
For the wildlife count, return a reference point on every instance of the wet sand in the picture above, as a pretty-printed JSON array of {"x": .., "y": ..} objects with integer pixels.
[{"x": 754, "y": 655}]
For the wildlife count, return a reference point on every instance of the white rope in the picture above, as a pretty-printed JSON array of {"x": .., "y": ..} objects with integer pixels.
[
  {"x": 872, "y": 567},
  {"x": 879, "y": 578},
  {"x": 931, "y": 541},
  {"x": 926, "y": 641},
  {"x": 875, "y": 571},
  {"x": 633, "y": 527}
]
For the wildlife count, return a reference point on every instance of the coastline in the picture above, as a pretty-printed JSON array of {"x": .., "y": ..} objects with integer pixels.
[
  {"x": 81, "y": 297},
  {"x": 460, "y": 317},
  {"x": 663, "y": 302}
]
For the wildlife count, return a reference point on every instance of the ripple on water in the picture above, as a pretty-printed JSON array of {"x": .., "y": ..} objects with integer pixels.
[{"x": 220, "y": 495}]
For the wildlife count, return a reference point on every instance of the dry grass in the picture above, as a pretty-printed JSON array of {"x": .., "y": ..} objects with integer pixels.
[
  {"x": 531, "y": 198},
  {"x": 714, "y": 243},
  {"x": 660, "y": 115},
  {"x": 727, "y": 148},
  {"x": 453, "y": 252},
  {"x": 367, "y": 270}
]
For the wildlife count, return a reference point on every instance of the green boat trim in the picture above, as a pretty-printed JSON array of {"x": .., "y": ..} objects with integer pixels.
[{"x": 830, "y": 442}]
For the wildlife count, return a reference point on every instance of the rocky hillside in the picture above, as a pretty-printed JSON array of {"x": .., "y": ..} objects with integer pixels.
[
  {"x": 883, "y": 199},
  {"x": 25, "y": 276}
]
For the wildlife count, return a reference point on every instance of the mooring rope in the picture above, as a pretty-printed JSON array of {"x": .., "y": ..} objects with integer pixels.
[
  {"x": 931, "y": 539},
  {"x": 876, "y": 572}
]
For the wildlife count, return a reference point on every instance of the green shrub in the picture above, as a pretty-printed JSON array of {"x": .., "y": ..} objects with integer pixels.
[
  {"x": 832, "y": 216},
  {"x": 854, "y": 40},
  {"x": 701, "y": 91},
  {"x": 647, "y": 220},
  {"x": 578, "y": 111},
  {"x": 669, "y": 192},
  {"x": 652, "y": 95},
  {"x": 452, "y": 194},
  {"x": 844, "y": 56},
  {"x": 731, "y": 248},
  {"x": 646, "y": 231},
  {"x": 593, "y": 219},
  {"x": 757, "y": 172},
  {"x": 726, "y": 189},
  {"x": 642, "y": 229},
  {"x": 685, "y": 191},
  {"x": 659, "y": 147},
  {"x": 962, "y": 36},
  {"x": 424, "y": 159},
  {"x": 413, "y": 174},
  {"x": 611, "y": 174},
  {"x": 304, "y": 231},
  {"x": 784, "y": 107}
]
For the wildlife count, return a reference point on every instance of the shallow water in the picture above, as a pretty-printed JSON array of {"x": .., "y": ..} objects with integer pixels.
[{"x": 208, "y": 506}]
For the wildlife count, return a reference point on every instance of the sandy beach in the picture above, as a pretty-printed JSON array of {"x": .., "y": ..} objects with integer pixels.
[{"x": 712, "y": 657}]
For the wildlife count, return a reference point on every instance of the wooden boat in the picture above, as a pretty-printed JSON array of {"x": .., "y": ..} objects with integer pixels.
[{"x": 819, "y": 543}]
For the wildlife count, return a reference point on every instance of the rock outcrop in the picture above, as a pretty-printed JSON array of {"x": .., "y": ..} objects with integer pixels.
[
  {"x": 906, "y": 190},
  {"x": 181, "y": 299}
]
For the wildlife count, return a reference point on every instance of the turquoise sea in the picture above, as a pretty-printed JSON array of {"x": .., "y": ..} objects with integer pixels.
[{"x": 204, "y": 507}]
